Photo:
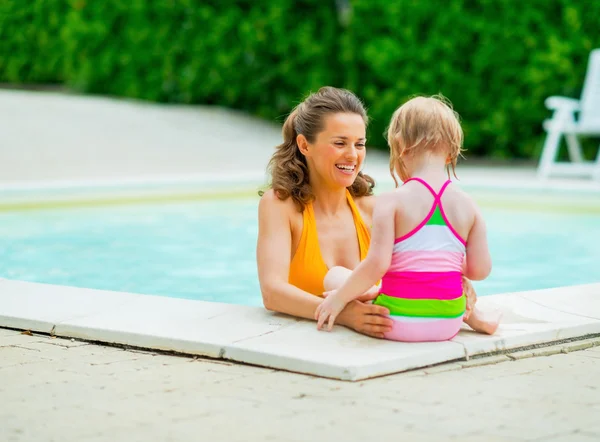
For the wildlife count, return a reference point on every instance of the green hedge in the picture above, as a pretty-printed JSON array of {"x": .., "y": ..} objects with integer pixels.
[
  {"x": 256, "y": 56},
  {"x": 31, "y": 47},
  {"x": 496, "y": 60}
]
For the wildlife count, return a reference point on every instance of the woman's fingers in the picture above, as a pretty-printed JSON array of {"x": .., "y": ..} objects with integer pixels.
[
  {"x": 375, "y": 331},
  {"x": 372, "y": 309},
  {"x": 368, "y": 319},
  {"x": 378, "y": 316},
  {"x": 377, "y": 310},
  {"x": 378, "y": 320}
]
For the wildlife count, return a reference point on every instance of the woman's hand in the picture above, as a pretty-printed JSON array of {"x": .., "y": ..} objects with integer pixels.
[{"x": 368, "y": 319}]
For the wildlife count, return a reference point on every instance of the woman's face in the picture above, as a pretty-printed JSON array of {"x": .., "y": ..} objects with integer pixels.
[{"x": 338, "y": 152}]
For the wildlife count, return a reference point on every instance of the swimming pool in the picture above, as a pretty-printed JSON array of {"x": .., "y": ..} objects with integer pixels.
[{"x": 205, "y": 250}]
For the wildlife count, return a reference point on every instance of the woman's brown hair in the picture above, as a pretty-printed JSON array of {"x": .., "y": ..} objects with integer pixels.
[{"x": 288, "y": 166}]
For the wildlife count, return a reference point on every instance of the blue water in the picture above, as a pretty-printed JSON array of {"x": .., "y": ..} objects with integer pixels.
[{"x": 206, "y": 250}]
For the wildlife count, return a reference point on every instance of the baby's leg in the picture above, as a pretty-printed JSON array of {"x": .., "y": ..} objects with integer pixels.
[
  {"x": 482, "y": 322},
  {"x": 336, "y": 276}
]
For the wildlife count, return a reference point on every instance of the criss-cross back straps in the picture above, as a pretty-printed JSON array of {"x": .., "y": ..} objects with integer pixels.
[{"x": 437, "y": 195}]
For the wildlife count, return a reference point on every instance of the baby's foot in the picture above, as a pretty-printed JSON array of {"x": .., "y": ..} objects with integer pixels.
[{"x": 484, "y": 322}]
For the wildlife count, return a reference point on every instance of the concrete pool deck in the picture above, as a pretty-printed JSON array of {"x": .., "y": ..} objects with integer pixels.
[{"x": 57, "y": 389}]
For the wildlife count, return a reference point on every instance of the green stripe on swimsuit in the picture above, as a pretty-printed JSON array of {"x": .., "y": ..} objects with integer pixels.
[{"x": 426, "y": 308}]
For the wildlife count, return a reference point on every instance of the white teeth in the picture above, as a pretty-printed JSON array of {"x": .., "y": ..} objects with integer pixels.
[{"x": 344, "y": 167}]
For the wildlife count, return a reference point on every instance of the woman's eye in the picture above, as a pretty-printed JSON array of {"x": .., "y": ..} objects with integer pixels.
[
  {"x": 339, "y": 143},
  {"x": 360, "y": 146}
]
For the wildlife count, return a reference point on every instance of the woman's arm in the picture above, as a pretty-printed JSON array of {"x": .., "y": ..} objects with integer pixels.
[{"x": 273, "y": 255}]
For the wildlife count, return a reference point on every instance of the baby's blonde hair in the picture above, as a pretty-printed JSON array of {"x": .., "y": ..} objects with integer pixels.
[{"x": 425, "y": 124}]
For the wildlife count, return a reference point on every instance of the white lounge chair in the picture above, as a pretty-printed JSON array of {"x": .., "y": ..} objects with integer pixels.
[{"x": 573, "y": 118}]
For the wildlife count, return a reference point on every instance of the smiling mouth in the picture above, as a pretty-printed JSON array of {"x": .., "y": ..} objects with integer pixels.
[{"x": 346, "y": 168}]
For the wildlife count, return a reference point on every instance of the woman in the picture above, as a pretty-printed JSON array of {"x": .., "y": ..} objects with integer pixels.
[{"x": 314, "y": 220}]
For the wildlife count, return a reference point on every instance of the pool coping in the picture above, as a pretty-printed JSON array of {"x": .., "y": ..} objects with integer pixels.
[
  {"x": 493, "y": 191},
  {"x": 156, "y": 189},
  {"x": 255, "y": 336}
]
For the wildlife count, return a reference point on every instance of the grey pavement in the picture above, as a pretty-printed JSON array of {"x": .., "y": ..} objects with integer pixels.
[
  {"x": 53, "y": 137},
  {"x": 62, "y": 390},
  {"x": 56, "y": 138},
  {"x": 49, "y": 136}
]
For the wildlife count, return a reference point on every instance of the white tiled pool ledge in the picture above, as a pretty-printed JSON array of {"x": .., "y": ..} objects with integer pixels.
[{"x": 253, "y": 335}]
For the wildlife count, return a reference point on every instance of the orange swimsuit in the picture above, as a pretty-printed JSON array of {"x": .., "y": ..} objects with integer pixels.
[{"x": 307, "y": 269}]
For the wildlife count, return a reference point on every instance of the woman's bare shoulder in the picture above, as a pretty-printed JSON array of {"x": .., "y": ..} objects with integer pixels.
[
  {"x": 270, "y": 205},
  {"x": 366, "y": 204}
]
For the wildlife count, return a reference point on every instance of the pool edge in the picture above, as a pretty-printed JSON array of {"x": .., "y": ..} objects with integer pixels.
[{"x": 253, "y": 335}]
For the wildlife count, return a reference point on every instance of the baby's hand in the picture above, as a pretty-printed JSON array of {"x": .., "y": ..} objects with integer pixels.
[
  {"x": 329, "y": 310},
  {"x": 471, "y": 296}
]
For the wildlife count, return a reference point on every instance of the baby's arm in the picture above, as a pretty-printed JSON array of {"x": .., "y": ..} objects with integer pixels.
[
  {"x": 477, "y": 266},
  {"x": 370, "y": 270},
  {"x": 478, "y": 263}
]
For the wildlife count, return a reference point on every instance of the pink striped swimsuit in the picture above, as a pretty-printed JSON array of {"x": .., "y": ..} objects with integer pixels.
[{"x": 423, "y": 286}]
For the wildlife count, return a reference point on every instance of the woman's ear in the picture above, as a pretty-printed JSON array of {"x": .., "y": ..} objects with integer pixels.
[{"x": 302, "y": 143}]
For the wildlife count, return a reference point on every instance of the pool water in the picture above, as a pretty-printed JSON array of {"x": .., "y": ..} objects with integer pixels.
[{"x": 206, "y": 250}]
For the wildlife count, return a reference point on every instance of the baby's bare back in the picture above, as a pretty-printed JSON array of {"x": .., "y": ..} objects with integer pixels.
[{"x": 415, "y": 202}]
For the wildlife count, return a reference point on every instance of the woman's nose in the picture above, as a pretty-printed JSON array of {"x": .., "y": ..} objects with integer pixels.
[{"x": 351, "y": 153}]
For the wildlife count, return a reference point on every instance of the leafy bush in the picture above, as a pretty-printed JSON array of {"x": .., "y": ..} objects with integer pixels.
[
  {"x": 31, "y": 49},
  {"x": 257, "y": 56},
  {"x": 496, "y": 60}
]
